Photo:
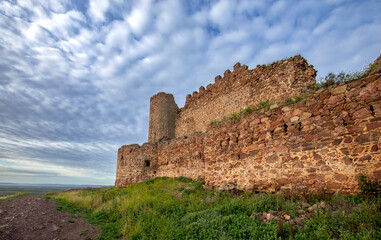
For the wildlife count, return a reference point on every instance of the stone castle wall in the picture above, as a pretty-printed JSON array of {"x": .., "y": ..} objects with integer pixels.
[
  {"x": 326, "y": 141},
  {"x": 242, "y": 88},
  {"x": 178, "y": 157}
]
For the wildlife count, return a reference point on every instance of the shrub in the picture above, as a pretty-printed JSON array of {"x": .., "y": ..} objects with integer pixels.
[
  {"x": 214, "y": 123},
  {"x": 247, "y": 111},
  {"x": 264, "y": 105},
  {"x": 368, "y": 187},
  {"x": 290, "y": 101},
  {"x": 331, "y": 78},
  {"x": 234, "y": 116}
]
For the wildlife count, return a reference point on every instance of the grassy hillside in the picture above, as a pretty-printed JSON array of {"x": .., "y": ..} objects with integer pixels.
[
  {"x": 10, "y": 197},
  {"x": 166, "y": 208},
  {"x": 6, "y": 190}
]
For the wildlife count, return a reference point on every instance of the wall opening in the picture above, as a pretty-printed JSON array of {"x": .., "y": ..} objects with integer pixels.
[
  {"x": 300, "y": 126},
  {"x": 372, "y": 110},
  {"x": 147, "y": 163},
  {"x": 285, "y": 126}
]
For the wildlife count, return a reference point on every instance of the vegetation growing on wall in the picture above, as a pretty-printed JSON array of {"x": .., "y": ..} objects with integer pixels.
[
  {"x": 332, "y": 78},
  {"x": 296, "y": 99},
  {"x": 265, "y": 105},
  {"x": 233, "y": 116},
  {"x": 280, "y": 61},
  {"x": 370, "y": 188}
]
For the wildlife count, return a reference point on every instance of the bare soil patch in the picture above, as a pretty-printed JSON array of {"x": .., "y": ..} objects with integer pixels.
[{"x": 34, "y": 217}]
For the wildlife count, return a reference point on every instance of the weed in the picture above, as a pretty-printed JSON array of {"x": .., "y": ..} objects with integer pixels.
[
  {"x": 84, "y": 232},
  {"x": 278, "y": 61},
  {"x": 234, "y": 116},
  {"x": 214, "y": 123},
  {"x": 296, "y": 99},
  {"x": 369, "y": 188},
  {"x": 246, "y": 111},
  {"x": 332, "y": 78},
  {"x": 264, "y": 105},
  {"x": 71, "y": 221}
]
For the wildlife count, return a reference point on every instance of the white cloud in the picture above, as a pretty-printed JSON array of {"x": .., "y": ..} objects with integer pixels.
[
  {"x": 221, "y": 13},
  {"x": 169, "y": 16},
  {"x": 75, "y": 79},
  {"x": 140, "y": 16},
  {"x": 97, "y": 10},
  {"x": 62, "y": 25}
]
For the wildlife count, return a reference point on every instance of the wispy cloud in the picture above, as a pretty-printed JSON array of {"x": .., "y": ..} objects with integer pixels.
[{"x": 76, "y": 76}]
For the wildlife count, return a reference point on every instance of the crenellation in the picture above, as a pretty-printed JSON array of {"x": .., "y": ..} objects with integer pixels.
[
  {"x": 201, "y": 90},
  {"x": 227, "y": 73},
  {"x": 217, "y": 79},
  {"x": 323, "y": 142},
  {"x": 237, "y": 67},
  {"x": 242, "y": 88}
]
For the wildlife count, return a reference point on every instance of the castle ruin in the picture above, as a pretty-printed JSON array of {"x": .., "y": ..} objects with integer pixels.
[{"x": 325, "y": 141}]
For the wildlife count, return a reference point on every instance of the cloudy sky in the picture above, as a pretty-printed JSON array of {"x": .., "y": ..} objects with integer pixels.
[{"x": 76, "y": 76}]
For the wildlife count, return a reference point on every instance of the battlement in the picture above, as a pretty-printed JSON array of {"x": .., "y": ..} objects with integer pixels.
[
  {"x": 242, "y": 88},
  {"x": 259, "y": 77}
]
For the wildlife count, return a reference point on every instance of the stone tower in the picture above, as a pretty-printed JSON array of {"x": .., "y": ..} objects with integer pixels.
[{"x": 162, "y": 117}]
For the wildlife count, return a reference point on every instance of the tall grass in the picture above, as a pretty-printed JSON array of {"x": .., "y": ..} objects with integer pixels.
[
  {"x": 9, "y": 197},
  {"x": 167, "y": 208}
]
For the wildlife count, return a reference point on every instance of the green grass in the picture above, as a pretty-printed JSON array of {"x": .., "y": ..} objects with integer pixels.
[
  {"x": 264, "y": 105},
  {"x": 296, "y": 99},
  {"x": 6, "y": 198},
  {"x": 246, "y": 111},
  {"x": 167, "y": 208},
  {"x": 233, "y": 116}
]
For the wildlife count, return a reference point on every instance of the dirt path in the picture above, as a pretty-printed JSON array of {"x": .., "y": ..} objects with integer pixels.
[{"x": 34, "y": 217}]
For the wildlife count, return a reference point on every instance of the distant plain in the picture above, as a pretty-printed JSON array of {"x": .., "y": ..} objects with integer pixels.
[
  {"x": 10, "y": 190},
  {"x": 7, "y": 189}
]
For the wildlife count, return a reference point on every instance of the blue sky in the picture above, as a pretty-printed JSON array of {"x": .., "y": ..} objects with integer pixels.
[{"x": 76, "y": 76}]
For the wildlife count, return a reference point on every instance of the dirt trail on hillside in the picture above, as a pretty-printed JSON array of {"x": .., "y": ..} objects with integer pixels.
[{"x": 34, "y": 217}]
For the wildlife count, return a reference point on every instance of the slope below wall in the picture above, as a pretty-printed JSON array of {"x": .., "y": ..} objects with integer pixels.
[{"x": 326, "y": 141}]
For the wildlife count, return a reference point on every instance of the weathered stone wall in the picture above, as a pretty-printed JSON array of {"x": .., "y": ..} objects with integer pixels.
[
  {"x": 180, "y": 157},
  {"x": 242, "y": 88},
  {"x": 162, "y": 116},
  {"x": 136, "y": 164},
  {"x": 326, "y": 141}
]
